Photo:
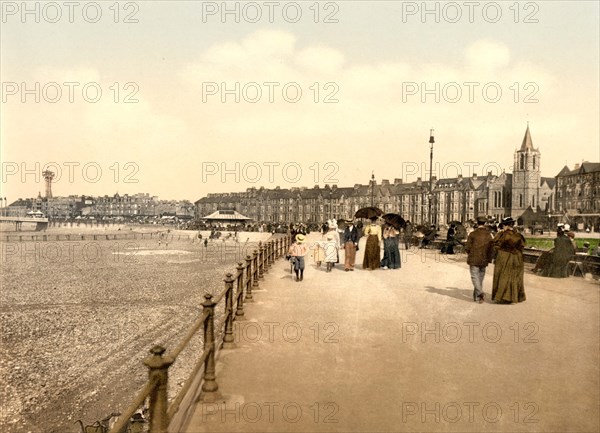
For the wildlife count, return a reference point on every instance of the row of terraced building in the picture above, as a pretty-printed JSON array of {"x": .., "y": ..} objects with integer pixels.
[{"x": 524, "y": 195}]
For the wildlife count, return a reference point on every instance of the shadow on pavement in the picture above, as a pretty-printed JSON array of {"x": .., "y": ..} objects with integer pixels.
[{"x": 453, "y": 292}]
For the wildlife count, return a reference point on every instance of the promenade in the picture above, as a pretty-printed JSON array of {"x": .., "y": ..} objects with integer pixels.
[{"x": 408, "y": 350}]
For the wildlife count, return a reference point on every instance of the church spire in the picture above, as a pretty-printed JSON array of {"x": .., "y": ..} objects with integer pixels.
[{"x": 527, "y": 143}]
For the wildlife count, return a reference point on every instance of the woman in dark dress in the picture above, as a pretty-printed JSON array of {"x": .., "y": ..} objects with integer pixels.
[
  {"x": 508, "y": 286},
  {"x": 372, "y": 257},
  {"x": 562, "y": 254},
  {"x": 391, "y": 252},
  {"x": 450, "y": 240}
]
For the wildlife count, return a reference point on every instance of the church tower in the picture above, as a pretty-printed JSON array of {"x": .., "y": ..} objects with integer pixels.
[{"x": 526, "y": 177}]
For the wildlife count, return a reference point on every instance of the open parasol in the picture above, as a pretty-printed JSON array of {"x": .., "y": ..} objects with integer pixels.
[
  {"x": 394, "y": 219},
  {"x": 368, "y": 212},
  {"x": 341, "y": 224}
]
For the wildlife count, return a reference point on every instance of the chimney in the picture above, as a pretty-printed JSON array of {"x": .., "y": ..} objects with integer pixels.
[
  {"x": 397, "y": 181},
  {"x": 475, "y": 176},
  {"x": 334, "y": 187},
  {"x": 385, "y": 182},
  {"x": 577, "y": 166},
  {"x": 356, "y": 185},
  {"x": 489, "y": 174},
  {"x": 460, "y": 176}
]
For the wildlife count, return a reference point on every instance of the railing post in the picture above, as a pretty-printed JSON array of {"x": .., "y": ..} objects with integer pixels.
[
  {"x": 255, "y": 268},
  {"x": 266, "y": 259},
  {"x": 228, "y": 337},
  {"x": 158, "y": 369},
  {"x": 270, "y": 254},
  {"x": 249, "y": 279},
  {"x": 261, "y": 258},
  {"x": 239, "y": 311},
  {"x": 210, "y": 384}
]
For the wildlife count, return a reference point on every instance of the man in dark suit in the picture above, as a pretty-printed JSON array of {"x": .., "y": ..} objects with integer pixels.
[
  {"x": 480, "y": 249},
  {"x": 350, "y": 242}
]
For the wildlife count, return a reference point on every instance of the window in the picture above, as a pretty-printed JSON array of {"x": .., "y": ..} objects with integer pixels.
[
  {"x": 522, "y": 162},
  {"x": 520, "y": 200}
]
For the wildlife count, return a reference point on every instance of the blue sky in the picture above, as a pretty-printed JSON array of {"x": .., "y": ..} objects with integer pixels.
[{"x": 373, "y": 57}]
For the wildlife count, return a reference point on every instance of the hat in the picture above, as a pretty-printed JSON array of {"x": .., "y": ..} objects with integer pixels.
[
  {"x": 560, "y": 225},
  {"x": 299, "y": 238},
  {"x": 349, "y": 222},
  {"x": 481, "y": 220},
  {"x": 567, "y": 227},
  {"x": 508, "y": 220},
  {"x": 329, "y": 237}
]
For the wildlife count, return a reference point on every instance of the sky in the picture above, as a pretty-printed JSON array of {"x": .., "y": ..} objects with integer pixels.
[{"x": 183, "y": 98}]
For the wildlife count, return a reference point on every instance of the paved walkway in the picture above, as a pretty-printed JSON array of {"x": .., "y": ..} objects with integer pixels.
[{"x": 408, "y": 350}]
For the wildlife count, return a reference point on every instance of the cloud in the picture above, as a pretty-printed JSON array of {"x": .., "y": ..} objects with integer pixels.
[
  {"x": 172, "y": 129},
  {"x": 485, "y": 55}
]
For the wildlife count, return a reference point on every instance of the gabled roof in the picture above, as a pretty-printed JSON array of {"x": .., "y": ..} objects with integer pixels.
[
  {"x": 565, "y": 171},
  {"x": 585, "y": 167},
  {"x": 550, "y": 181},
  {"x": 589, "y": 167}
]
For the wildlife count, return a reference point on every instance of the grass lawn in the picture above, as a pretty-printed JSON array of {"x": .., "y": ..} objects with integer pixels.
[{"x": 546, "y": 244}]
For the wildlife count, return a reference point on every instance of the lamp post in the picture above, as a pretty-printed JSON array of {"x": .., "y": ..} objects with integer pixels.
[
  {"x": 372, "y": 182},
  {"x": 430, "y": 196}
]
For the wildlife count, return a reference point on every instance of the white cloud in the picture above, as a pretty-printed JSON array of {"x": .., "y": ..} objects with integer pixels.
[{"x": 485, "y": 55}]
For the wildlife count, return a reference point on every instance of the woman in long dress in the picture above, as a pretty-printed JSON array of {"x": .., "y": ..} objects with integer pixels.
[
  {"x": 318, "y": 251},
  {"x": 391, "y": 252},
  {"x": 333, "y": 231},
  {"x": 331, "y": 251},
  {"x": 561, "y": 256},
  {"x": 508, "y": 286},
  {"x": 372, "y": 256}
]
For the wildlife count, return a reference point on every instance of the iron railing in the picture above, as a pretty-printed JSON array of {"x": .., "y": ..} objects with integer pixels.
[{"x": 238, "y": 290}]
